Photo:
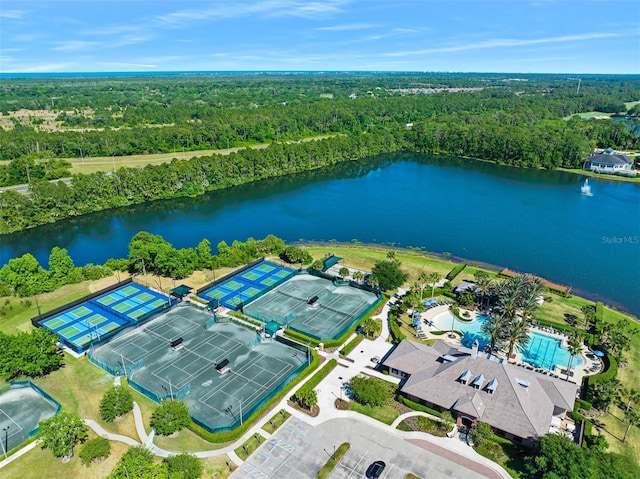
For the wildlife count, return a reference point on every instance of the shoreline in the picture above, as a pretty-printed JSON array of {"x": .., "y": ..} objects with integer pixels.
[
  {"x": 581, "y": 293},
  {"x": 601, "y": 176}
]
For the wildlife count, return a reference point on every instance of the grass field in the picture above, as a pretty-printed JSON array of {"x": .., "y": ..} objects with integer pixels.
[
  {"x": 109, "y": 163},
  {"x": 40, "y": 463},
  {"x": 603, "y": 176},
  {"x": 590, "y": 114}
]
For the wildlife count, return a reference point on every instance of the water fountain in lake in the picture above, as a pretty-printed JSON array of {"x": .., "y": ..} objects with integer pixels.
[{"x": 585, "y": 189}]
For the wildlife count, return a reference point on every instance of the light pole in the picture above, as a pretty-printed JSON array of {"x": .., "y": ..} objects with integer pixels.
[
  {"x": 6, "y": 440},
  {"x": 123, "y": 366}
]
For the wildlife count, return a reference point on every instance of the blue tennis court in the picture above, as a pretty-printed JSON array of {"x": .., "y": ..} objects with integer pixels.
[
  {"x": 247, "y": 285},
  {"x": 84, "y": 323}
]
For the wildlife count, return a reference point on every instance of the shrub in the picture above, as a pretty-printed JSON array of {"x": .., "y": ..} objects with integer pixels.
[
  {"x": 351, "y": 345},
  {"x": 115, "y": 402},
  {"x": 171, "y": 416},
  {"x": 371, "y": 391},
  {"x": 394, "y": 329},
  {"x": 457, "y": 269},
  {"x": 316, "y": 378},
  {"x": 95, "y": 450}
]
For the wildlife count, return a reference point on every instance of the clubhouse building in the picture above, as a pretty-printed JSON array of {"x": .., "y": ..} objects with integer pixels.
[
  {"x": 609, "y": 161},
  {"x": 520, "y": 404}
]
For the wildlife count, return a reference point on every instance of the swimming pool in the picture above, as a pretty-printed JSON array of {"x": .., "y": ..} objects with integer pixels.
[
  {"x": 470, "y": 330},
  {"x": 547, "y": 352},
  {"x": 542, "y": 351}
]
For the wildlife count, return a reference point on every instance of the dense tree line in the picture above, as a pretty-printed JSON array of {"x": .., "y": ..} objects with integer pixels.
[
  {"x": 515, "y": 121},
  {"x": 24, "y": 276},
  {"x": 31, "y": 354}
]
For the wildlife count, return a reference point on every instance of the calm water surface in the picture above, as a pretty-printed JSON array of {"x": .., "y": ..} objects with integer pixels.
[{"x": 528, "y": 220}]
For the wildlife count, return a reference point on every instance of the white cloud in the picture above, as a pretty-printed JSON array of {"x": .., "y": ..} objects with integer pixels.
[
  {"x": 41, "y": 68},
  {"x": 504, "y": 42},
  {"x": 347, "y": 27},
  {"x": 75, "y": 46},
  {"x": 13, "y": 14}
]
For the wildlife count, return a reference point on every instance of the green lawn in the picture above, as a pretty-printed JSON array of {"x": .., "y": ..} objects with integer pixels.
[
  {"x": 276, "y": 421},
  {"x": 385, "y": 414},
  {"x": 249, "y": 447},
  {"x": 40, "y": 463}
]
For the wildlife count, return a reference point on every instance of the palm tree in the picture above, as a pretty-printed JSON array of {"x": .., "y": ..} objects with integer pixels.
[
  {"x": 358, "y": 276},
  {"x": 631, "y": 395},
  {"x": 494, "y": 327},
  {"x": 632, "y": 418},
  {"x": 484, "y": 285},
  {"x": 517, "y": 335},
  {"x": 574, "y": 348},
  {"x": 606, "y": 391},
  {"x": 433, "y": 279},
  {"x": 423, "y": 279}
]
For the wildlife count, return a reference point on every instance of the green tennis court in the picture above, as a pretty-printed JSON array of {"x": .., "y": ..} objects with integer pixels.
[
  {"x": 95, "y": 319},
  {"x": 143, "y": 297},
  {"x": 83, "y": 340},
  {"x": 123, "y": 307},
  {"x": 251, "y": 276},
  {"x": 129, "y": 290},
  {"x": 233, "y": 285},
  {"x": 56, "y": 322},
  {"x": 265, "y": 268},
  {"x": 157, "y": 303},
  {"x": 107, "y": 300},
  {"x": 137, "y": 313},
  {"x": 79, "y": 312},
  {"x": 282, "y": 273},
  {"x": 110, "y": 326},
  {"x": 268, "y": 281},
  {"x": 251, "y": 291},
  {"x": 70, "y": 332}
]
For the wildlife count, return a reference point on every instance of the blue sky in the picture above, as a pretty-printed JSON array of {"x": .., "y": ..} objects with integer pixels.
[{"x": 565, "y": 36}]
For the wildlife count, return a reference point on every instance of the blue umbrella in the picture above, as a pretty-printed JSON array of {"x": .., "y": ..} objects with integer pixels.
[{"x": 598, "y": 353}]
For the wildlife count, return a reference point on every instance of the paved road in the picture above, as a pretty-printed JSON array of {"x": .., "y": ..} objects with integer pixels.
[{"x": 298, "y": 450}]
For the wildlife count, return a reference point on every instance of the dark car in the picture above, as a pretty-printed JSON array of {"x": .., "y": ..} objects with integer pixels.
[{"x": 375, "y": 470}]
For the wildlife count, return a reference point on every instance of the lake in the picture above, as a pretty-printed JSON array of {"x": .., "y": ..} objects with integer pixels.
[{"x": 528, "y": 220}]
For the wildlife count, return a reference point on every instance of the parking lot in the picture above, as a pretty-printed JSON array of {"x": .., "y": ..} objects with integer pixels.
[{"x": 298, "y": 450}]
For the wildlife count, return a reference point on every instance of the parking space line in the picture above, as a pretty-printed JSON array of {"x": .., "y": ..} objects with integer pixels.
[
  {"x": 388, "y": 472},
  {"x": 353, "y": 469},
  {"x": 268, "y": 457},
  {"x": 253, "y": 471},
  {"x": 279, "y": 443},
  {"x": 294, "y": 431}
]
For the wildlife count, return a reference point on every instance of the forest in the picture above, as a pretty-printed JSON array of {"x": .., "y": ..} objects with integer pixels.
[{"x": 524, "y": 120}]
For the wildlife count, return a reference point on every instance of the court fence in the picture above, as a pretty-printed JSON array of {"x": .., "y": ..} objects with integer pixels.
[
  {"x": 123, "y": 370},
  {"x": 28, "y": 384},
  {"x": 342, "y": 282},
  {"x": 178, "y": 394}
]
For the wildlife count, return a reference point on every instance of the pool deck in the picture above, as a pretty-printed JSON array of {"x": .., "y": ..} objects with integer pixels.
[{"x": 591, "y": 363}]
